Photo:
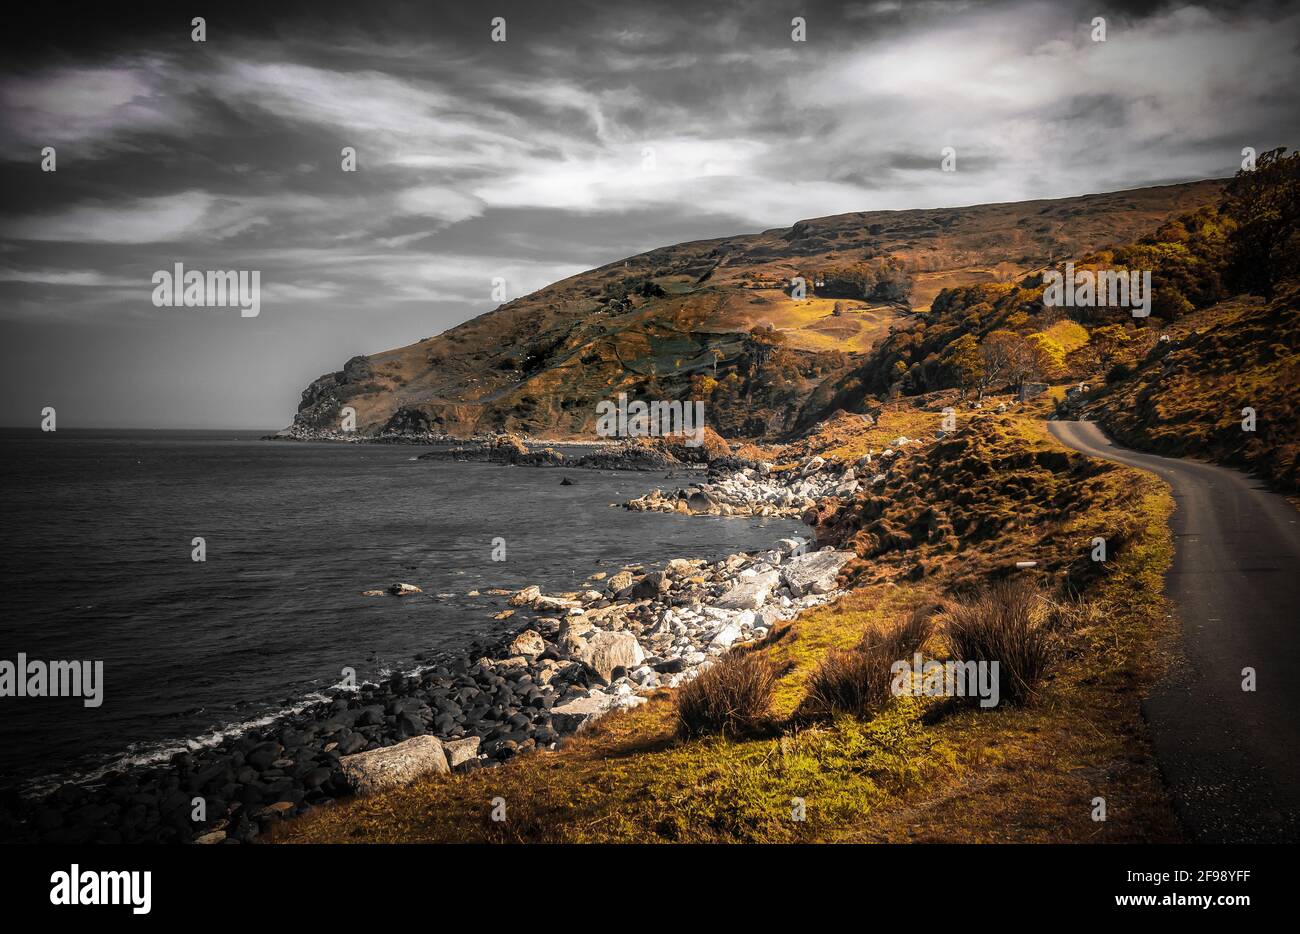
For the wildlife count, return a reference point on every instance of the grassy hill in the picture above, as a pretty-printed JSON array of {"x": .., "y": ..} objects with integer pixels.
[{"x": 679, "y": 322}]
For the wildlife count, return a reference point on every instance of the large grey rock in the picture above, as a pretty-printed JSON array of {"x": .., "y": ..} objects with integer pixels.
[
  {"x": 396, "y": 590},
  {"x": 620, "y": 581},
  {"x": 379, "y": 769},
  {"x": 700, "y": 502},
  {"x": 545, "y": 604},
  {"x": 583, "y": 712},
  {"x": 750, "y": 593},
  {"x": 650, "y": 586},
  {"x": 681, "y": 567},
  {"x": 604, "y": 651},
  {"x": 812, "y": 465},
  {"x": 813, "y": 573},
  {"x": 768, "y": 616},
  {"x": 725, "y": 636}
]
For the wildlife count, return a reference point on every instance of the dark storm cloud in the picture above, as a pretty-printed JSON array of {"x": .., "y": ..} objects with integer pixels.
[{"x": 596, "y": 131}]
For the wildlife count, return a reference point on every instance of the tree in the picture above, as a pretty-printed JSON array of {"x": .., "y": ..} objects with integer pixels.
[
  {"x": 893, "y": 282},
  {"x": 702, "y": 386},
  {"x": 1108, "y": 341},
  {"x": 1044, "y": 358},
  {"x": 1008, "y": 358},
  {"x": 964, "y": 361},
  {"x": 1002, "y": 354},
  {"x": 1265, "y": 203},
  {"x": 1048, "y": 356}
]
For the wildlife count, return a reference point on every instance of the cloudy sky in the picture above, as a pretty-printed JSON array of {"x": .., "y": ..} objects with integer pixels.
[{"x": 595, "y": 131}]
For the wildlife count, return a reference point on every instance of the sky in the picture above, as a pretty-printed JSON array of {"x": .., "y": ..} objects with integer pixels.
[{"x": 593, "y": 132}]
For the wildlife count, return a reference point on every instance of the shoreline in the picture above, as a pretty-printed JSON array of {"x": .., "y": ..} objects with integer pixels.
[
  {"x": 296, "y": 433},
  {"x": 573, "y": 658}
]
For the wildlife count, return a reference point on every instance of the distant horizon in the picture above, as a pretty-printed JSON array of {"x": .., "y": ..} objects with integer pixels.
[{"x": 112, "y": 428}]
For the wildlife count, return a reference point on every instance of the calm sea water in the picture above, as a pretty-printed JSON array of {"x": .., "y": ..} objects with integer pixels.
[{"x": 95, "y": 563}]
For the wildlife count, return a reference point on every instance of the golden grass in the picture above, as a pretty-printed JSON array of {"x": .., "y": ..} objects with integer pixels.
[
  {"x": 809, "y": 324},
  {"x": 844, "y": 438}
]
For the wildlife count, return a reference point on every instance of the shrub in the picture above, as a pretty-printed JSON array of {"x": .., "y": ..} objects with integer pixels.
[
  {"x": 1119, "y": 372},
  {"x": 732, "y": 697},
  {"x": 857, "y": 681},
  {"x": 1005, "y": 623}
]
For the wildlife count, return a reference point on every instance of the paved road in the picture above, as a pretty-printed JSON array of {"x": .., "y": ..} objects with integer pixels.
[{"x": 1232, "y": 758}]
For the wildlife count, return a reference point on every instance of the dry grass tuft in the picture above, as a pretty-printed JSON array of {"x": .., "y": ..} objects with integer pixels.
[
  {"x": 731, "y": 698},
  {"x": 1008, "y": 623},
  {"x": 857, "y": 681}
]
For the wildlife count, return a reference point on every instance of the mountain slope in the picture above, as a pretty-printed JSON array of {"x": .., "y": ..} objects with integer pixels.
[
  {"x": 1187, "y": 397},
  {"x": 1212, "y": 371},
  {"x": 679, "y": 322}
]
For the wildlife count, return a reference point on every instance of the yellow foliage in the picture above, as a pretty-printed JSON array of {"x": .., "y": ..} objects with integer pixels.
[
  {"x": 1069, "y": 335},
  {"x": 704, "y": 385},
  {"x": 1051, "y": 354}
]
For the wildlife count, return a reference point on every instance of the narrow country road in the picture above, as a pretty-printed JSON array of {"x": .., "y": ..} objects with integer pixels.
[{"x": 1231, "y": 757}]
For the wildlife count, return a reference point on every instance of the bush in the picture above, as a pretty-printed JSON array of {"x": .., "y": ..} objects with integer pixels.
[
  {"x": 857, "y": 681},
  {"x": 1005, "y": 623},
  {"x": 1118, "y": 373},
  {"x": 731, "y": 698}
]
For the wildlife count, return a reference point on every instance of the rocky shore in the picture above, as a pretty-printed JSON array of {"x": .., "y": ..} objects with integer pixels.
[
  {"x": 761, "y": 490},
  {"x": 575, "y": 657},
  {"x": 571, "y": 658},
  {"x": 300, "y": 433}
]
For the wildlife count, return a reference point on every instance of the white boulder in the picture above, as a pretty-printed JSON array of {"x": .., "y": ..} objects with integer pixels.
[
  {"x": 380, "y": 769},
  {"x": 750, "y": 593},
  {"x": 814, "y": 573}
]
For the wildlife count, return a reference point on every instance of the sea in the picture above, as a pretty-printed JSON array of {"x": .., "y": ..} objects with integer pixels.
[{"x": 97, "y": 562}]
